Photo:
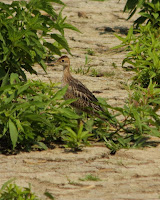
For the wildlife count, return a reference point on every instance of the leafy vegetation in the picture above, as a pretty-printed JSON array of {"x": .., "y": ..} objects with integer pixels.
[
  {"x": 84, "y": 69},
  {"x": 31, "y": 113},
  {"x": 76, "y": 140},
  {"x": 149, "y": 11},
  {"x": 96, "y": 73},
  {"x": 24, "y": 29},
  {"x": 90, "y": 52},
  {"x": 141, "y": 111},
  {"x": 12, "y": 191},
  {"x": 143, "y": 55}
]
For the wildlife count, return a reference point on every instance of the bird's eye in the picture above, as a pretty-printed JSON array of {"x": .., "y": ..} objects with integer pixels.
[{"x": 62, "y": 60}]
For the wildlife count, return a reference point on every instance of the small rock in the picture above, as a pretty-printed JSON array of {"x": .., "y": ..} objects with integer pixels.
[{"x": 82, "y": 14}]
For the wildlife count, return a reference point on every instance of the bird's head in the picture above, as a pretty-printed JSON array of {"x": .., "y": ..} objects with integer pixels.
[{"x": 64, "y": 61}]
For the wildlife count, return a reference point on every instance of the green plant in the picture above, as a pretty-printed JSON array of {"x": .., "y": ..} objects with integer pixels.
[
  {"x": 141, "y": 119},
  {"x": 150, "y": 11},
  {"x": 72, "y": 182},
  {"x": 90, "y": 52},
  {"x": 85, "y": 69},
  {"x": 96, "y": 73},
  {"x": 90, "y": 177},
  {"x": 32, "y": 113},
  {"x": 143, "y": 55},
  {"x": 12, "y": 191},
  {"x": 76, "y": 140},
  {"x": 143, "y": 104},
  {"x": 24, "y": 29}
]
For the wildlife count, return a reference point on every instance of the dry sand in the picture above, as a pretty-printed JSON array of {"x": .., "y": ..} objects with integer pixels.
[{"x": 129, "y": 174}]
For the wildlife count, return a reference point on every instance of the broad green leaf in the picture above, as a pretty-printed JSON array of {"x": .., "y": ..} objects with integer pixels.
[
  {"x": 43, "y": 65},
  {"x": 13, "y": 132},
  {"x": 47, "y": 194},
  {"x": 22, "y": 88},
  {"x": 155, "y": 132},
  {"x": 2, "y": 39},
  {"x": 14, "y": 78},
  {"x": 38, "y": 118},
  {"x": 61, "y": 40},
  {"x": 130, "y": 5},
  {"x": 5, "y": 129},
  {"x": 5, "y": 79},
  {"x": 41, "y": 145},
  {"x": 148, "y": 16},
  {"x": 10, "y": 97},
  {"x": 130, "y": 33},
  {"x": 120, "y": 38},
  {"x": 80, "y": 131},
  {"x": 60, "y": 93},
  {"x": 68, "y": 113},
  {"x": 72, "y": 133},
  {"x": 19, "y": 125},
  {"x": 156, "y": 15},
  {"x": 2, "y": 73},
  {"x": 69, "y": 26},
  {"x": 52, "y": 48},
  {"x": 67, "y": 102},
  {"x": 137, "y": 118},
  {"x": 6, "y": 184},
  {"x": 121, "y": 141}
]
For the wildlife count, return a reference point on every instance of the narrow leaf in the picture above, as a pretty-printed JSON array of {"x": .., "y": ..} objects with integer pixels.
[
  {"x": 61, "y": 40},
  {"x": 13, "y": 132}
]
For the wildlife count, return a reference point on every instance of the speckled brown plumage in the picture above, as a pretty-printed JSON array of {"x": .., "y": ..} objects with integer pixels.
[{"x": 86, "y": 101}]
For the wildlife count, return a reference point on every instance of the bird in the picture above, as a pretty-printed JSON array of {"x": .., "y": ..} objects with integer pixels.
[{"x": 85, "y": 99}]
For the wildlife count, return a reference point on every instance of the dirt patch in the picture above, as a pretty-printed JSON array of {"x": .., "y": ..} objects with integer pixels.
[{"x": 128, "y": 175}]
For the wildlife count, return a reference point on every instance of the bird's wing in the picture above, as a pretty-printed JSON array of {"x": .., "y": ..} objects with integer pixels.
[{"x": 82, "y": 92}]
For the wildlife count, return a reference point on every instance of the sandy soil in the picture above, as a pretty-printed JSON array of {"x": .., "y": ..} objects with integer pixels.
[{"x": 128, "y": 175}]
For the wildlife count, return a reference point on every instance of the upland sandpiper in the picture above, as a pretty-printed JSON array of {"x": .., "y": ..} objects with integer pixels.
[{"x": 86, "y": 101}]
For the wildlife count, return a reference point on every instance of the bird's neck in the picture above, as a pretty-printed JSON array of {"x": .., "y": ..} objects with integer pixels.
[
  {"x": 66, "y": 71},
  {"x": 66, "y": 75}
]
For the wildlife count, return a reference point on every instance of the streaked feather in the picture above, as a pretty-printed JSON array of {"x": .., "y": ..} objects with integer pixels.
[{"x": 86, "y": 101}]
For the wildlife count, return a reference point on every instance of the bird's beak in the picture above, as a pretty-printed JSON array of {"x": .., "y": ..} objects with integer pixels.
[{"x": 53, "y": 63}]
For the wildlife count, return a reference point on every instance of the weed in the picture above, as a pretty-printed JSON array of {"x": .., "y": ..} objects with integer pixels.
[
  {"x": 76, "y": 140},
  {"x": 90, "y": 52},
  {"x": 31, "y": 113},
  {"x": 143, "y": 55},
  {"x": 85, "y": 69},
  {"x": 90, "y": 177},
  {"x": 23, "y": 31},
  {"x": 149, "y": 11},
  {"x": 72, "y": 182},
  {"x": 10, "y": 190},
  {"x": 96, "y": 73},
  {"x": 114, "y": 65}
]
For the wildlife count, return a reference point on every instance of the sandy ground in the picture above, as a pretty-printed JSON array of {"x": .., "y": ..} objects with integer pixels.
[{"x": 129, "y": 174}]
